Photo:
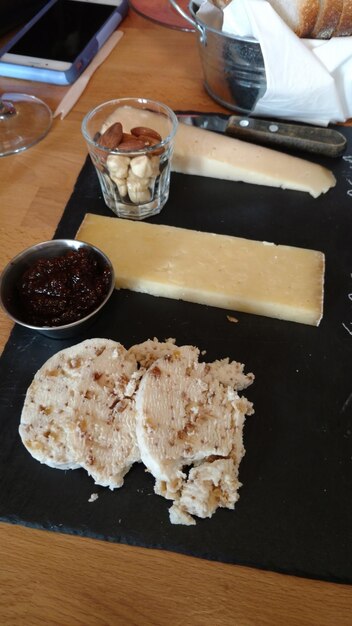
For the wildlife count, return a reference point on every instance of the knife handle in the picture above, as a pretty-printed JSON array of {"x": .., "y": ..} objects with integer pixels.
[{"x": 324, "y": 141}]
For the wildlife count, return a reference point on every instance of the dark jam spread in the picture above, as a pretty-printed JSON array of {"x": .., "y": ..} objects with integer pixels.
[{"x": 63, "y": 289}]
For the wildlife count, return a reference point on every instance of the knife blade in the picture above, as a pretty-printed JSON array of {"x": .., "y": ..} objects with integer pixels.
[{"x": 277, "y": 134}]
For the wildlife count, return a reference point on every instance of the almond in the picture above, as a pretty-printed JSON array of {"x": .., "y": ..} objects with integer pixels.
[
  {"x": 151, "y": 141},
  {"x": 131, "y": 144},
  {"x": 128, "y": 137},
  {"x": 143, "y": 130},
  {"x": 112, "y": 136}
]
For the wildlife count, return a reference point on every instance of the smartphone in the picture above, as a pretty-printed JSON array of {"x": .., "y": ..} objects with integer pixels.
[{"x": 61, "y": 40}]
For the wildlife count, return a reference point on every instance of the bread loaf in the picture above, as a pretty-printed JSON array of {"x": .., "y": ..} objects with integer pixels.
[
  {"x": 328, "y": 18},
  {"x": 344, "y": 25},
  {"x": 314, "y": 19},
  {"x": 221, "y": 4},
  {"x": 299, "y": 15}
]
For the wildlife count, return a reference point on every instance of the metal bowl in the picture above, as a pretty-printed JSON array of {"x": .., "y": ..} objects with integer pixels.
[
  {"x": 233, "y": 67},
  {"x": 12, "y": 273}
]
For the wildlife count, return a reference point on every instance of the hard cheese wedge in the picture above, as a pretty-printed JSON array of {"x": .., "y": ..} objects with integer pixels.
[
  {"x": 209, "y": 154},
  {"x": 218, "y": 270},
  {"x": 204, "y": 153}
]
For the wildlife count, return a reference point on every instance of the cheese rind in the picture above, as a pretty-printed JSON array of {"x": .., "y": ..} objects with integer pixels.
[
  {"x": 204, "y": 153},
  {"x": 218, "y": 270}
]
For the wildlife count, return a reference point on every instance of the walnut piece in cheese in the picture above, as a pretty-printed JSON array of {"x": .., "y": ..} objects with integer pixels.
[{"x": 277, "y": 281}]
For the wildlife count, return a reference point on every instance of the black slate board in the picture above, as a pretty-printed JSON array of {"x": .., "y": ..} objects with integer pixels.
[{"x": 295, "y": 509}]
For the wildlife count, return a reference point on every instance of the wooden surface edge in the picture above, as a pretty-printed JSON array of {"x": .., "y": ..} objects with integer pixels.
[{"x": 104, "y": 583}]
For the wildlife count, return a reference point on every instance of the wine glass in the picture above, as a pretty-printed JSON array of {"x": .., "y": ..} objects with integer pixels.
[
  {"x": 24, "y": 120},
  {"x": 162, "y": 12}
]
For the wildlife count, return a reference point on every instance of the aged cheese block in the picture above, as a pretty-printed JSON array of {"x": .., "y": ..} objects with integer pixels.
[
  {"x": 204, "y": 153},
  {"x": 218, "y": 270},
  {"x": 209, "y": 154}
]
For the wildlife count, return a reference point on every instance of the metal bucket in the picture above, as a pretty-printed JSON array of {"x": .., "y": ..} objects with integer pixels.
[{"x": 233, "y": 67}]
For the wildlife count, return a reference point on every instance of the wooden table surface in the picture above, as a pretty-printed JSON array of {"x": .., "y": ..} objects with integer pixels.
[{"x": 51, "y": 579}]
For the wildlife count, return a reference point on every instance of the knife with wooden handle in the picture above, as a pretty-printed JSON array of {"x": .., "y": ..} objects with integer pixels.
[
  {"x": 275, "y": 134},
  {"x": 324, "y": 141}
]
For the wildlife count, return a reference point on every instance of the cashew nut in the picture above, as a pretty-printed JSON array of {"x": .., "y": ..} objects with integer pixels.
[
  {"x": 142, "y": 166},
  {"x": 155, "y": 163},
  {"x": 138, "y": 188},
  {"x": 139, "y": 197},
  {"x": 118, "y": 165},
  {"x": 121, "y": 185}
]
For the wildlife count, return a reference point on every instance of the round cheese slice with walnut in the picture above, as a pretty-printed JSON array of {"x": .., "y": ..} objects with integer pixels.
[
  {"x": 77, "y": 412},
  {"x": 210, "y": 485},
  {"x": 225, "y": 371},
  {"x": 186, "y": 416},
  {"x": 150, "y": 350}
]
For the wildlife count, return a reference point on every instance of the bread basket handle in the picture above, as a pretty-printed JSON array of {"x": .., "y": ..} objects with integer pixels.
[{"x": 185, "y": 16}]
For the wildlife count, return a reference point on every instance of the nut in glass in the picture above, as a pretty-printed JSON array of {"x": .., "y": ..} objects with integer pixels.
[{"x": 130, "y": 142}]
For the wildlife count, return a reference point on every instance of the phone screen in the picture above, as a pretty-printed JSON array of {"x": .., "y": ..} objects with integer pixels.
[{"x": 63, "y": 31}]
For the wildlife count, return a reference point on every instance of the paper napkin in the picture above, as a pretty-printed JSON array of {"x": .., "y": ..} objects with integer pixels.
[{"x": 307, "y": 80}]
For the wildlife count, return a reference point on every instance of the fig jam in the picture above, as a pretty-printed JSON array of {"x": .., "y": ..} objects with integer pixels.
[{"x": 63, "y": 289}]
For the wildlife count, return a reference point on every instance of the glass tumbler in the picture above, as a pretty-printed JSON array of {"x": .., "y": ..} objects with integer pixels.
[{"x": 130, "y": 141}]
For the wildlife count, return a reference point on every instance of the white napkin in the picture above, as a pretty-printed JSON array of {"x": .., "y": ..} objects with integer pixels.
[{"x": 307, "y": 80}]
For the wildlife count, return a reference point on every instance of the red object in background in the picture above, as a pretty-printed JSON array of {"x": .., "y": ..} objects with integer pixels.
[{"x": 162, "y": 12}]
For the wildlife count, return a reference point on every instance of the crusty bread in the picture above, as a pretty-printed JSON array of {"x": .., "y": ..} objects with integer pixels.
[
  {"x": 77, "y": 414},
  {"x": 221, "y": 4},
  {"x": 185, "y": 415},
  {"x": 315, "y": 19},
  {"x": 299, "y": 15},
  {"x": 328, "y": 17},
  {"x": 344, "y": 25}
]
